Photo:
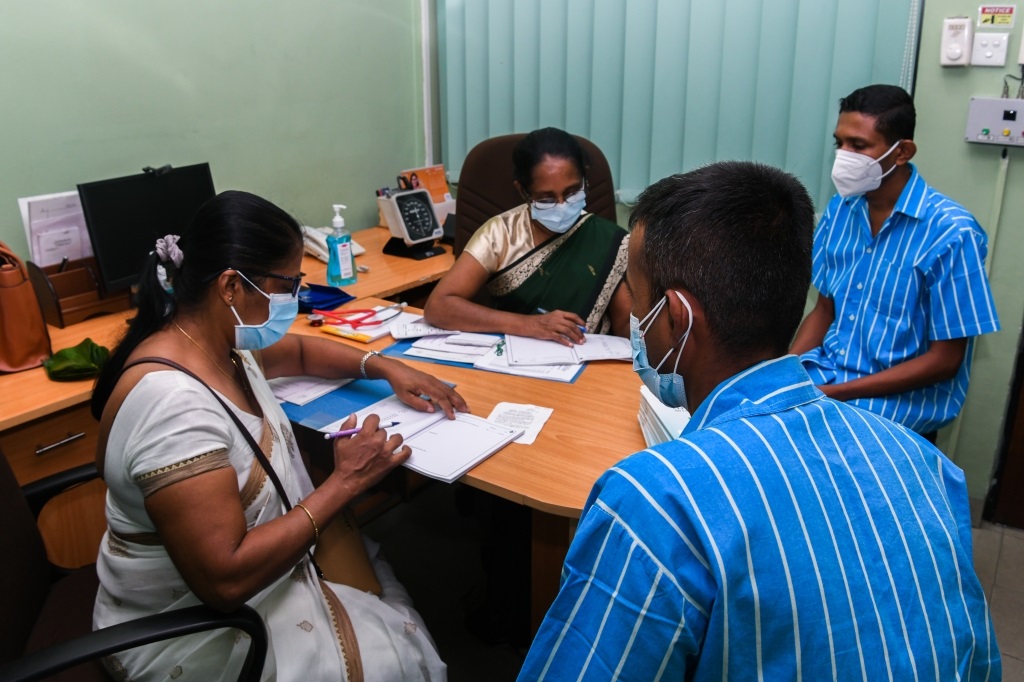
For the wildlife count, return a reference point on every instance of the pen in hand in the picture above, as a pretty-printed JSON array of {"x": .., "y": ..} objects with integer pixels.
[
  {"x": 542, "y": 311},
  {"x": 351, "y": 432}
]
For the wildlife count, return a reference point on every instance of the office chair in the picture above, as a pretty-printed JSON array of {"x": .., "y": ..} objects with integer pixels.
[
  {"x": 485, "y": 185},
  {"x": 46, "y": 611}
]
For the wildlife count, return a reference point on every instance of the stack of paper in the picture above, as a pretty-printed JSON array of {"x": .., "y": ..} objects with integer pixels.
[
  {"x": 464, "y": 347},
  {"x": 442, "y": 448},
  {"x": 55, "y": 228},
  {"x": 497, "y": 360},
  {"x": 416, "y": 329},
  {"x": 524, "y": 350},
  {"x": 659, "y": 422},
  {"x": 301, "y": 390}
]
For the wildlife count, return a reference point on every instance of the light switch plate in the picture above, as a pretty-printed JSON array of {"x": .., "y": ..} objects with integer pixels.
[{"x": 989, "y": 49}]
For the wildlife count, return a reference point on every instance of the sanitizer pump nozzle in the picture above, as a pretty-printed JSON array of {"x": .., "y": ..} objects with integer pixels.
[{"x": 338, "y": 222}]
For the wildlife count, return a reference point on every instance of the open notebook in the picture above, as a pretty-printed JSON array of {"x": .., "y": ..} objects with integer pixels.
[{"x": 442, "y": 448}]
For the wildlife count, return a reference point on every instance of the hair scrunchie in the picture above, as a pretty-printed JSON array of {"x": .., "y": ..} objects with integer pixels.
[{"x": 167, "y": 249}]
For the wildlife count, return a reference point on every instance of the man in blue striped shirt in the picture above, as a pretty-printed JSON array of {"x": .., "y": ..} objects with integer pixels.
[
  {"x": 784, "y": 535},
  {"x": 900, "y": 274}
]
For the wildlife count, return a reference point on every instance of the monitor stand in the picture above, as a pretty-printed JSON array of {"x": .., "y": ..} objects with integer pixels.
[{"x": 421, "y": 251}]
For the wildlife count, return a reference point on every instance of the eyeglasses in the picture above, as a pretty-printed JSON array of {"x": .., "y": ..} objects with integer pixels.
[
  {"x": 296, "y": 281},
  {"x": 577, "y": 197}
]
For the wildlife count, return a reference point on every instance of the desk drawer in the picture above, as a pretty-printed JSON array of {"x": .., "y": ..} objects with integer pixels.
[
  {"x": 54, "y": 443},
  {"x": 73, "y": 523}
]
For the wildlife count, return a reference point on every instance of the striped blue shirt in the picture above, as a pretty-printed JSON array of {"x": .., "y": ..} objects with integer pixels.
[
  {"x": 921, "y": 279},
  {"x": 783, "y": 536}
]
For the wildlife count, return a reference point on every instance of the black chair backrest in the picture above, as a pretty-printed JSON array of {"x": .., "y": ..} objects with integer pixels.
[
  {"x": 25, "y": 573},
  {"x": 485, "y": 185}
]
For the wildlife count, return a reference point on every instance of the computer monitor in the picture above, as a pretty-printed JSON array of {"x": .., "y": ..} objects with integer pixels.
[{"x": 126, "y": 216}]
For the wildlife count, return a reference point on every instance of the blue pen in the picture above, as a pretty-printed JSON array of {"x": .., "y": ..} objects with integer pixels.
[
  {"x": 541, "y": 311},
  {"x": 350, "y": 432}
]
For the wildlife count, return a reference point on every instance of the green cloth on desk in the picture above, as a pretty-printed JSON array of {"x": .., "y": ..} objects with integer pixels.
[{"x": 76, "y": 363}]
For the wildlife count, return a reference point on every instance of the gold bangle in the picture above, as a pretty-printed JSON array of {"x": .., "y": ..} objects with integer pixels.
[{"x": 316, "y": 530}]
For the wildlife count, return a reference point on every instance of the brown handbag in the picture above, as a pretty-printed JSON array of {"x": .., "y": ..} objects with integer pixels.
[{"x": 24, "y": 339}]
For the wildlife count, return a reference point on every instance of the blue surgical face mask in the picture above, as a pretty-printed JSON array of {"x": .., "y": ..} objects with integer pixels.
[
  {"x": 668, "y": 388},
  {"x": 560, "y": 217},
  {"x": 283, "y": 309}
]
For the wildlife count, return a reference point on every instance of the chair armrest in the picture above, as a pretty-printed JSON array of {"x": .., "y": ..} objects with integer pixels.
[
  {"x": 53, "y": 659},
  {"x": 38, "y": 493}
]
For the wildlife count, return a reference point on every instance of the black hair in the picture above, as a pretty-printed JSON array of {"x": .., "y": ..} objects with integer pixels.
[
  {"x": 532, "y": 149},
  {"x": 737, "y": 235},
  {"x": 232, "y": 230},
  {"x": 891, "y": 107}
]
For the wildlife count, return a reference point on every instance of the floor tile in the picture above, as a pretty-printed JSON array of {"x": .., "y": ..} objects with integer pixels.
[
  {"x": 986, "y": 543},
  {"x": 1008, "y": 618},
  {"x": 1013, "y": 669},
  {"x": 1010, "y": 571},
  {"x": 1015, "y": 532},
  {"x": 436, "y": 554}
]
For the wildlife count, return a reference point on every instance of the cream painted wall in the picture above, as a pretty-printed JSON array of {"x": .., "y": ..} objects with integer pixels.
[
  {"x": 307, "y": 102},
  {"x": 967, "y": 173}
]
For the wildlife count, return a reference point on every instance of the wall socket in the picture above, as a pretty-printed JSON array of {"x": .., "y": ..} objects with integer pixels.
[{"x": 990, "y": 49}]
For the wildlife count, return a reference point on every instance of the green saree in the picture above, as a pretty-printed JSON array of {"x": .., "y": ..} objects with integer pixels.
[{"x": 577, "y": 272}]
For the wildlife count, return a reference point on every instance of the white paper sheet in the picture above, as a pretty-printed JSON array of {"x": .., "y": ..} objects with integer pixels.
[
  {"x": 604, "y": 347},
  {"x": 412, "y": 330},
  {"x": 433, "y": 453},
  {"x": 529, "y": 418},
  {"x": 55, "y": 216},
  {"x": 449, "y": 345},
  {"x": 442, "y": 448},
  {"x": 300, "y": 390},
  {"x": 448, "y": 356},
  {"x": 499, "y": 363},
  {"x": 523, "y": 350}
]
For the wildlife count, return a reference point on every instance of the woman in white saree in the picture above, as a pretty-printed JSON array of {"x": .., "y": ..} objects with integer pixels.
[{"x": 193, "y": 516}]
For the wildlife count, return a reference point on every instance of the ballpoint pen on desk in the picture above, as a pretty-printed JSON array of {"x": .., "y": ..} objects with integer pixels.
[{"x": 350, "y": 432}]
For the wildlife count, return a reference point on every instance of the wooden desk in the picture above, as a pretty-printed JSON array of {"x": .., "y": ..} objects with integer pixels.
[
  {"x": 388, "y": 275},
  {"x": 593, "y": 426},
  {"x": 46, "y": 427}
]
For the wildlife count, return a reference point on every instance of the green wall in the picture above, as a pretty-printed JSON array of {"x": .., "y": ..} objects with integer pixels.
[
  {"x": 307, "y": 102},
  {"x": 968, "y": 173}
]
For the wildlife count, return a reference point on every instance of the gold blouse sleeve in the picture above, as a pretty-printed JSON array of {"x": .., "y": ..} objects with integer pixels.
[{"x": 502, "y": 240}]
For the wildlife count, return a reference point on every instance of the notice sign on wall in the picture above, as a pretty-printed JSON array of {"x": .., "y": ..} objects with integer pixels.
[{"x": 1000, "y": 16}]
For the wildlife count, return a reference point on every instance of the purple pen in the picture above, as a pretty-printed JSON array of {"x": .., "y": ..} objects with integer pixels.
[{"x": 349, "y": 432}]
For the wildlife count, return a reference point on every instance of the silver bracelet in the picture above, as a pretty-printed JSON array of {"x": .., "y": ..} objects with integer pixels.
[{"x": 362, "y": 363}]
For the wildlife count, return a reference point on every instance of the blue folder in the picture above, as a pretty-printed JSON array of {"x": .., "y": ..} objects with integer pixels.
[{"x": 338, "y": 404}]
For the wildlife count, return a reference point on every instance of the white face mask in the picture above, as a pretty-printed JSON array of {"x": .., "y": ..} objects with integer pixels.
[
  {"x": 855, "y": 174},
  {"x": 558, "y": 218}
]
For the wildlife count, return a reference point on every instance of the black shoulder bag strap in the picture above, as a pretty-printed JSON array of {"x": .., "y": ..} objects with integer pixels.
[{"x": 262, "y": 458}]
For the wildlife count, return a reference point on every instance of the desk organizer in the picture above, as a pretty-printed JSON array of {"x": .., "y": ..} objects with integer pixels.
[{"x": 74, "y": 293}]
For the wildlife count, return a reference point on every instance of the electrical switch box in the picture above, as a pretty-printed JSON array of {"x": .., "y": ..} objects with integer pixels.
[
  {"x": 995, "y": 120},
  {"x": 989, "y": 49},
  {"x": 956, "y": 41}
]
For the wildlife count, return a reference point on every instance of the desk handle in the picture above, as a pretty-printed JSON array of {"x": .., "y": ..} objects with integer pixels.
[{"x": 43, "y": 449}]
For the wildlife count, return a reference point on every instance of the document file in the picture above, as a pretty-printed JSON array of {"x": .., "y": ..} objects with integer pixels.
[{"x": 442, "y": 448}]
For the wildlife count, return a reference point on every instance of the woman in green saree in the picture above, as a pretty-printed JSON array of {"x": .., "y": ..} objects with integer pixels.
[{"x": 550, "y": 269}]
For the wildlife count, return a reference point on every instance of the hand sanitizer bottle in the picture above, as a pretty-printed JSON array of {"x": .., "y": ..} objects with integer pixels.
[{"x": 341, "y": 262}]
